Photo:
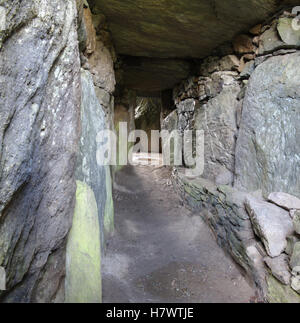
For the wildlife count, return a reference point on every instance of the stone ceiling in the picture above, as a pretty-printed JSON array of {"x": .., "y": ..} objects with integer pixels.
[{"x": 181, "y": 29}]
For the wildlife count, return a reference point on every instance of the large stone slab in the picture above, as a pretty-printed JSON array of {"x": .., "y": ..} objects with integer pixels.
[
  {"x": 83, "y": 261},
  {"x": 217, "y": 119},
  {"x": 279, "y": 268},
  {"x": 267, "y": 153},
  {"x": 287, "y": 201},
  {"x": 179, "y": 28},
  {"x": 39, "y": 118},
  {"x": 271, "y": 224},
  {"x": 93, "y": 121}
]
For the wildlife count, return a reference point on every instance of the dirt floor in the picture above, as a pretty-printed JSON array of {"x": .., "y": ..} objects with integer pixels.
[{"x": 160, "y": 251}]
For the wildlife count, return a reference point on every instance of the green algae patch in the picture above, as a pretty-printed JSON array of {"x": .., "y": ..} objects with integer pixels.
[
  {"x": 83, "y": 260},
  {"x": 279, "y": 293}
]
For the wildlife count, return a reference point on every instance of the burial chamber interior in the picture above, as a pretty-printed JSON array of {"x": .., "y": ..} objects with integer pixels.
[{"x": 227, "y": 68}]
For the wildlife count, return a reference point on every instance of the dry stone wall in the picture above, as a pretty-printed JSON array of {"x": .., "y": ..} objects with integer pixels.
[{"x": 247, "y": 102}]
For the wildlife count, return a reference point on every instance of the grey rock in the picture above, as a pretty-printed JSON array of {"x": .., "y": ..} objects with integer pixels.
[
  {"x": 287, "y": 33},
  {"x": 88, "y": 170},
  {"x": 267, "y": 148},
  {"x": 217, "y": 119},
  {"x": 284, "y": 200},
  {"x": 295, "y": 284},
  {"x": 295, "y": 258},
  {"x": 269, "y": 41},
  {"x": 39, "y": 118},
  {"x": 248, "y": 69},
  {"x": 222, "y": 208},
  {"x": 296, "y": 221},
  {"x": 270, "y": 223},
  {"x": 102, "y": 67},
  {"x": 229, "y": 63},
  {"x": 291, "y": 241},
  {"x": 279, "y": 268}
]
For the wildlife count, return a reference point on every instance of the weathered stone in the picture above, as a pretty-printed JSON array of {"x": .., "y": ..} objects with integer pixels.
[
  {"x": 295, "y": 259},
  {"x": 256, "y": 30},
  {"x": 296, "y": 221},
  {"x": 210, "y": 65},
  {"x": 248, "y": 69},
  {"x": 279, "y": 293},
  {"x": 218, "y": 120},
  {"x": 83, "y": 263},
  {"x": 269, "y": 41},
  {"x": 279, "y": 268},
  {"x": 229, "y": 63},
  {"x": 291, "y": 241},
  {"x": 285, "y": 200},
  {"x": 90, "y": 45},
  {"x": 222, "y": 208},
  {"x": 242, "y": 44},
  {"x": 295, "y": 284},
  {"x": 271, "y": 224},
  {"x": 267, "y": 146},
  {"x": 39, "y": 117},
  {"x": 102, "y": 67},
  {"x": 88, "y": 169},
  {"x": 288, "y": 34},
  {"x": 158, "y": 29}
]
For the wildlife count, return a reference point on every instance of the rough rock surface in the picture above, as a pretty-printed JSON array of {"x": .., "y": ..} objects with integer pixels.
[
  {"x": 267, "y": 147},
  {"x": 287, "y": 201},
  {"x": 222, "y": 208},
  {"x": 287, "y": 32},
  {"x": 40, "y": 100},
  {"x": 157, "y": 29},
  {"x": 279, "y": 268},
  {"x": 279, "y": 293},
  {"x": 271, "y": 224},
  {"x": 218, "y": 120},
  {"x": 296, "y": 221},
  {"x": 83, "y": 261},
  {"x": 295, "y": 259},
  {"x": 88, "y": 170}
]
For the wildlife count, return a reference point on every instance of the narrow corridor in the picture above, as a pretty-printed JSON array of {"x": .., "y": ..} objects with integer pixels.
[{"x": 161, "y": 252}]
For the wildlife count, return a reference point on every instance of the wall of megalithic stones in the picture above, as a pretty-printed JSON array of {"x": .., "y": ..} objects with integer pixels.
[{"x": 246, "y": 98}]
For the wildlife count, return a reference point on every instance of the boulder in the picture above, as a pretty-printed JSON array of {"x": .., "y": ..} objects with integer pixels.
[
  {"x": 83, "y": 261},
  {"x": 284, "y": 200},
  {"x": 269, "y": 41},
  {"x": 270, "y": 223},
  {"x": 295, "y": 258},
  {"x": 279, "y": 268},
  {"x": 39, "y": 133},
  {"x": 267, "y": 146},
  {"x": 287, "y": 33},
  {"x": 217, "y": 118}
]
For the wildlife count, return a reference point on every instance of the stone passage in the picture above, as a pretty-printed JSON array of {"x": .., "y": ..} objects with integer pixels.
[{"x": 161, "y": 251}]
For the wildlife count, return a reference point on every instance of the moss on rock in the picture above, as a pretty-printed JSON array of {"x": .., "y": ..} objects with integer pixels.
[
  {"x": 279, "y": 293},
  {"x": 83, "y": 264}
]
